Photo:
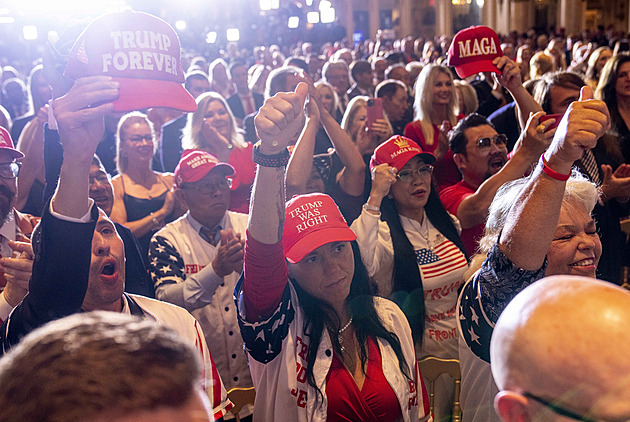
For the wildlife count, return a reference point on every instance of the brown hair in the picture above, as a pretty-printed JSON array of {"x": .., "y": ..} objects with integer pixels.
[{"x": 88, "y": 365}]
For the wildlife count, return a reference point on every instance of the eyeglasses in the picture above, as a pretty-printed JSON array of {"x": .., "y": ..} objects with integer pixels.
[
  {"x": 498, "y": 140},
  {"x": 561, "y": 410},
  {"x": 209, "y": 186},
  {"x": 10, "y": 170},
  {"x": 140, "y": 138},
  {"x": 407, "y": 174}
]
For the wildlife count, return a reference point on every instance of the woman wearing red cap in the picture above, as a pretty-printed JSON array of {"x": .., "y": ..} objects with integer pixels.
[
  {"x": 411, "y": 245},
  {"x": 321, "y": 346}
]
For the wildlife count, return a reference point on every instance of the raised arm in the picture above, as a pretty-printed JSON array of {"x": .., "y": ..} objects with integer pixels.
[
  {"x": 276, "y": 123},
  {"x": 352, "y": 176},
  {"x": 473, "y": 209},
  {"x": 533, "y": 219},
  {"x": 301, "y": 162},
  {"x": 265, "y": 273},
  {"x": 511, "y": 80},
  {"x": 81, "y": 128}
]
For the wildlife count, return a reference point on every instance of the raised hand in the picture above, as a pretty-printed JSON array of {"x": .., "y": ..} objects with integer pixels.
[
  {"x": 280, "y": 119},
  {"x": 510, "y": 76},
  {"x": 80, "y": 114},
  {"x": 383, "y": 177},
  {"x": 584, "y": 122},
  {"x": 220, "y": 145},
  {"x": 17, "y": 271},
  {"x": 535, "y": 138},
  {"x": 617, "y": 184}
]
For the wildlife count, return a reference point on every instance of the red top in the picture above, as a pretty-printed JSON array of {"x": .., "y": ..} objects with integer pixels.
[
  {"x": 452, "y": 197},
  {"x": 376, "y": 401},
  {"x": 446, "y": 172},
  {"x": 263, "y": 287},
  {"x": 241, "y": 160}
]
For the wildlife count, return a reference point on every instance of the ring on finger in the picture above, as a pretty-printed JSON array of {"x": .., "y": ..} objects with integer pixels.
[{"x": 540, "y": 128}]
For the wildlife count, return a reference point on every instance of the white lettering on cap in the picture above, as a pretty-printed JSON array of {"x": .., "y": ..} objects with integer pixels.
[
  {"x": 305, "y": 207},
  {"x": 130, "y": 60},
  {"x": 311, "y": 222},
  {"x": 140, "y": 60},
  {"x": 480, "y": 47}
]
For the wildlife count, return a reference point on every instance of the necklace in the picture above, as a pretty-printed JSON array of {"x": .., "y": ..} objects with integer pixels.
[
  {"x": 423, "y": 230},
  {"x": 341, "y": 330}
]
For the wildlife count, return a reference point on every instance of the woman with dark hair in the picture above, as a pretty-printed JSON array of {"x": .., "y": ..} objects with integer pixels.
[
  {"x": 411, "y": 246},
  {"x": 321, "y": 346},
  {"x": 614, "y": 90}
]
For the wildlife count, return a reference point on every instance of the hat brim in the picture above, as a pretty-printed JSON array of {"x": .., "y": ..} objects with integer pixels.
[
  {"x": 468, "y": 69},
  {"x": 14, "y": 152},
  {"x": 315, "y": 239},
  {"x": 427, "y": 157},
  {"x": 227, "y": 170},
  {"x": 138, "y": 94}
]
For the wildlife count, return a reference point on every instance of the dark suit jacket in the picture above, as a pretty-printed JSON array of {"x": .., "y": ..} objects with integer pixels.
[
  {"x": 170, "y": 150},
  {"x": 137, "y": 278},
  {"x": 237, "y": 106},
  {"x": 505, "y": 121}
]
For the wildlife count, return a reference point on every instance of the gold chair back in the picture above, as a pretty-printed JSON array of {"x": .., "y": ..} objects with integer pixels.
[
  {"x": 241, "y": 397},
  {"x": 431, "y": 368}
]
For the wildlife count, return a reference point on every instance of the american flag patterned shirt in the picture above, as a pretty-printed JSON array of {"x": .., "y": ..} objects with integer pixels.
[{"x": 442, "y": 266}]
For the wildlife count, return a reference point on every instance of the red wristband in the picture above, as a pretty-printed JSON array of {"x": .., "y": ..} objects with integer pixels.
[{"x": 552, "y": 173}]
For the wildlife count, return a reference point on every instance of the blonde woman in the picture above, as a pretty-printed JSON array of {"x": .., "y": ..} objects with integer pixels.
[
  {"x": 596, "y": 63},
  {"x": 467, "y": 102},
  {"x": 435, "y": 109},
  {"x": 212, "y": 128},
  {"x": 539, "y": 64},
  {"x": 354, "y": 122},
  {"x": 143, "y": 198}
]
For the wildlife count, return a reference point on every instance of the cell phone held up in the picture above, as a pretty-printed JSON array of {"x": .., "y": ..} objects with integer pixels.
[{"x": 374, "y": 111}]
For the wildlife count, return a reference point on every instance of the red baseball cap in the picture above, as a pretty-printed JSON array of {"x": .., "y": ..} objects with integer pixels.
[
  {"x": 6, "y": 144},
  {"x": 396, "y": 151},
  {"x": 138, "y": 50},
  {"x": 194, "y": 165},
  {"x": 473, "y": 50},
  {"x": 312, "y": 221}
]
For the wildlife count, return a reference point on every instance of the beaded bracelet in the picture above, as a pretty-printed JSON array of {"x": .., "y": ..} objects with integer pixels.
[
  {"x": 552, "y": 173},
  {"x": 276, "y": 160}
]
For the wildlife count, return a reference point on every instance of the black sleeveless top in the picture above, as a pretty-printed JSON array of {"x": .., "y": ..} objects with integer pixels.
[{"x": 138, "y": 208}]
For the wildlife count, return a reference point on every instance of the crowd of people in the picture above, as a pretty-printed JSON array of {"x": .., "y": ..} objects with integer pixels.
[{"x": 322, "y": 218}]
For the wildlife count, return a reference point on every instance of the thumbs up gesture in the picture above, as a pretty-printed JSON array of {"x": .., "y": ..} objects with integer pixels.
[
  {"x": 582, "y": 125},
  {"x": 280, "y": 119}
]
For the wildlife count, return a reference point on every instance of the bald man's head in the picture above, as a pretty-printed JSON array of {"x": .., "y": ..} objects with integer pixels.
[{"x": 564, "y": 339}]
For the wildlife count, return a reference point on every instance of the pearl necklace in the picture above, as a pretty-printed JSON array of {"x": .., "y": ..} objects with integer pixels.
[{"x": 339, "y": 337}]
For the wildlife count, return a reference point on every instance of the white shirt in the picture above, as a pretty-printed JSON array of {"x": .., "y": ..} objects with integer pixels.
[
  {"x": 442, "y": 266},
  {"x": 181, "y": 268}
]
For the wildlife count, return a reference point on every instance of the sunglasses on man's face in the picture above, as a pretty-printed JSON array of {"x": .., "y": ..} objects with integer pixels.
[{"x": 498, "y": 140}]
